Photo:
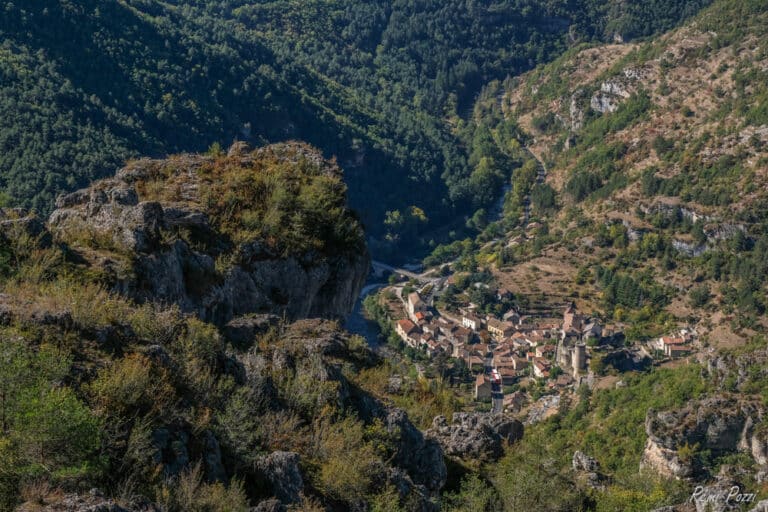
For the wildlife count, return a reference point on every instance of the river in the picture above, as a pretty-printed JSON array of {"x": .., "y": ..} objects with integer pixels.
[{"x": 357, "y": 323}]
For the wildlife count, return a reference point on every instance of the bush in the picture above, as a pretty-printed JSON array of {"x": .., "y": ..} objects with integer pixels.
[
  {"x": 699, "y": 296},
  {"x": 347, "y": 462},
  {"x": 132, "y": 385},
  {"x": 9, "y": 474},
  {"x": 56, "y": 434},
  {"x": 189, "y": 493}
]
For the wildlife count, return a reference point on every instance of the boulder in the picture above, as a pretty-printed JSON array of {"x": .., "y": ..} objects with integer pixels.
[
  {"x": 475, "y": 435},
  {"x": 588, "y": 470},
  {"x": 281, "y": 471},
  {"x": 420, "y": 456}
]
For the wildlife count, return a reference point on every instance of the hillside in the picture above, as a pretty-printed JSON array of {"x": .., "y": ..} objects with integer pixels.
[
  {"x": 640, "y": 197},
  {"x": 590, "y": 336},
  {"x": 653, "y": 157},
  {"x": 148, "y": 346},
  {"x": 87, "y": 84}
]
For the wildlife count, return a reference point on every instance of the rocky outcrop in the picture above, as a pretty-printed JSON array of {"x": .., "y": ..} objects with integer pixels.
[
  {"x": 173, "y": 247},
  {"x": 626, "y": 360},
  {"x": 475, "y": 435},
  {"x": 313, "y": 348},
  {"x": 604, "y": 103},
  {"x": 717, "y": 496},
  {"x": 92, "y": 501},
  {"x": 420, "y": 456},
  {"x": 576, "y": 111},
  {"x": 417, "y": 496},
  {"x": 689, "y": 248},
  {"x": 242, "y": 330},
  {"x": 719, "y": 424},
  {"x": 614, "y": 91},
  {"x": 16, "y": 223},
  {"x": 588, "y": 470},
  {"x": 665, "y": 461},
  {"x": 281, "y": 471}
]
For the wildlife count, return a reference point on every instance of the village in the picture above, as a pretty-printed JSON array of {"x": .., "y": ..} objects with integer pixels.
[{"x": 515, "y": 349}]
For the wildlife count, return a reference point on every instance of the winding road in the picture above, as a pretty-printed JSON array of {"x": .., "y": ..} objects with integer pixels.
[{"x": 380, "y": 267}]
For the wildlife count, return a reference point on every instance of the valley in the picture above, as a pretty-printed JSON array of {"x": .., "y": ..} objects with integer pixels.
[{"x": 383, "y": 256}]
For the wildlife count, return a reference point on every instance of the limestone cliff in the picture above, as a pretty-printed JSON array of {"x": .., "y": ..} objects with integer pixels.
[
  {"x": 719, "y": 424},
  {"x": 223, "y": 236}
]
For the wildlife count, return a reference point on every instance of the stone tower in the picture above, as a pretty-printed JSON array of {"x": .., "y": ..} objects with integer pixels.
[{"x": 579, "y": 358}]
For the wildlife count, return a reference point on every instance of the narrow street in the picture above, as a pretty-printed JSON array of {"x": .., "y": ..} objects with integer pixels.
[{"x": 497, "y": 389}]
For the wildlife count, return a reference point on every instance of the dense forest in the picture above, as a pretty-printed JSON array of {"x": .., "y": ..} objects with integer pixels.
[{"x": 386, "y": 86}]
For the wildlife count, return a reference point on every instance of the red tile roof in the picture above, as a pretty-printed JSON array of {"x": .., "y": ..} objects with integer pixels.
[{"x": 406, "y": 325}]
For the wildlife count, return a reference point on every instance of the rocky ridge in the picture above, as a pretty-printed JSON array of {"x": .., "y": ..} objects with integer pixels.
[
  {"x": 475, "y": 436},
  {"x": 720, "y": 424},
  {"x": 227, "y": 339},
  {"x": 176, "y": 249}
]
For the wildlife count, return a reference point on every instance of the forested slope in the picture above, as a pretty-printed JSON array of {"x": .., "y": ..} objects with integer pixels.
[
  {"x": 382, "y": 84},
  {"x": 656, "y": 157},
  {"x": 642, "y": 198}
]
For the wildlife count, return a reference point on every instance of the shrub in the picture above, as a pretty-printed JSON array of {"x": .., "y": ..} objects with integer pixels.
[
  {"x": 9, "y": 475},
  {"x": 347, "y": 463},
  {"x": 56, "y": 433},
  {"x": 699, "y": 296},
  {"x": 131, "y": 385},
  {"x": 188, "y": 493}
]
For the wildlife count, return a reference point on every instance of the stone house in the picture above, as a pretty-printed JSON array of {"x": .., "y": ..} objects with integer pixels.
[
  {"x": 499, "y": 329},
  {"x": 483, "y": 388},
  {"x": 408, "y": 332},
  {"x": 414, "y": 304},
  {"x": 470, "y": 321}
]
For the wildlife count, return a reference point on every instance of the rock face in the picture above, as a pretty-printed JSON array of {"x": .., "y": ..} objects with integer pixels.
[
  {"x": 475, "y": 435},
  {"x": 625, "y": 360},
  {"x": 93, "y": 501},
  {"x": 420, "y": 456},
  {"x": 719, "y": 424},
  {"x": 281, "y": 470},
  {"x": 576, "y": 111},
  {"x": 614, "y": 91},
  {"x": 170, "y": 269},
  {"x": 604, "y": 103},
  {"x": 588, "y": 470}
]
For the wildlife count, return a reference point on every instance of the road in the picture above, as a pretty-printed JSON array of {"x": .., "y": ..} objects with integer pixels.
[
  {"x": 379, "y": 267},
  {"x": 497, "y": 398},
  {"x": 497, "y": 390}
]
